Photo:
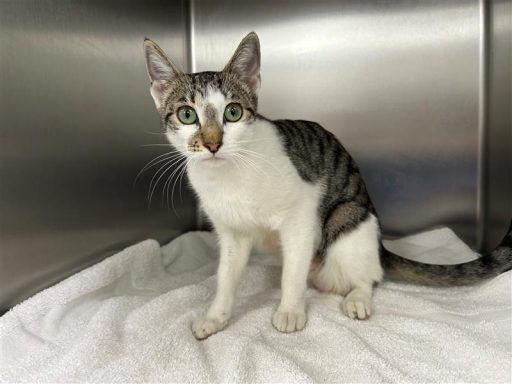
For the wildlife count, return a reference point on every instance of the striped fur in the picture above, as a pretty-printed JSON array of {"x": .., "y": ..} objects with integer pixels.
[{"x": 319, "y": 156}]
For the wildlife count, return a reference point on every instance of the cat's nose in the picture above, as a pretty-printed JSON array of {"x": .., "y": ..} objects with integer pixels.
[{"x": 212, "y": 147}]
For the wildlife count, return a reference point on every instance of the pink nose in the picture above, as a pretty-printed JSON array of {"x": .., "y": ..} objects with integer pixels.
[{"x": 212, "y": 147}]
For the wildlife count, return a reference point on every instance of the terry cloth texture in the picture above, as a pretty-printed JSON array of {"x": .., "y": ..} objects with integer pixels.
[{"x": 127, "y": 319}]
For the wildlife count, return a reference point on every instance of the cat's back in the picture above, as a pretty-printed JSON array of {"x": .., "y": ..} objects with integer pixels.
[{"x": 318, "y": 156}]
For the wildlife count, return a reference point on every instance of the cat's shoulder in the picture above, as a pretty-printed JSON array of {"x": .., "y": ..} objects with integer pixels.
[
  {"x": 304, "y": 128},
  {"x": 298, "y": 124}
]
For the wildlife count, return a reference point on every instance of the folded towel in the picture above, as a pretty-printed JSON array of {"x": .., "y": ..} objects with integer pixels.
[{"x": 127, "y": 319}]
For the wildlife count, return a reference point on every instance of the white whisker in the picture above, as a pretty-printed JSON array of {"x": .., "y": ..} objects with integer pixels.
[
  {"x": 251, "y": 163},
  {"x": 259, "y": 156},
  {"x": 167, "y": 167},
  {"x": 174, "y": 185},
  {"x": 168, "y": 183},
  {"x": 181, "y": 179},
  {"x": 241, "y": 161},
  {"x": 235, "y": 162},
  {"x": 156, "y": 161}
]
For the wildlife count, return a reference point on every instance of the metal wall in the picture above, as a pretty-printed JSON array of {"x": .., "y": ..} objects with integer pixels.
[
  {"x": 418, "y": 91},
  {"x": 396, "y": 81},
  {"x": 75, "y": 111},
  {"x": 496, "y": 180}
]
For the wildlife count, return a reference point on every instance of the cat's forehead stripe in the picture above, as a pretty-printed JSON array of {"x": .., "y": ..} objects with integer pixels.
[
  {"x": 210, "y": 112},
  {"x": 215, "y": 97}
]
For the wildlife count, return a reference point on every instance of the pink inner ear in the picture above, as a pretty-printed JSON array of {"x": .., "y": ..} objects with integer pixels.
[
  {"x": 247, "y": 67},
  {"x": 254, "y": 82},
  {"x": 157, "y": 90}
]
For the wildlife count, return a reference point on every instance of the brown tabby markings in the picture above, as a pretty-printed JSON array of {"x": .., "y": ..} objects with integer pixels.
[
  {"x": 209, "y": 133},
  {"x": 195, "y": 144},
  {"x": 186, "y": 88}
]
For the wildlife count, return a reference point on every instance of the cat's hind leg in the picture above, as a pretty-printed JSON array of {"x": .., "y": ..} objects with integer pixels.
[{"x": 351, "y": 267}]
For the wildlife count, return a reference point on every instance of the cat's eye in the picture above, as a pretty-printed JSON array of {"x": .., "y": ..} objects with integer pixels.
[
  {"x": 233, "y": 112},
  {"x": 187, "y": 115}
]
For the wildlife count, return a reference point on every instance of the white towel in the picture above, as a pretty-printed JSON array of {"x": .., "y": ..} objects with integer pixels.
[{"x": 127, "y": 319}]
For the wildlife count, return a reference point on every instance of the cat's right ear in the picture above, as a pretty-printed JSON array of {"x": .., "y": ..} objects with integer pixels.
[{"x": 161, "y": 70}]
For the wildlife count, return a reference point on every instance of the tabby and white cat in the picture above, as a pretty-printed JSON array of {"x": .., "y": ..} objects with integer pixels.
[{"x": 286, "y": 181}]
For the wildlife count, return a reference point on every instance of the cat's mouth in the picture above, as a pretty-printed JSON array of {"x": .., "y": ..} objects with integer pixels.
[{"x": 213, "y": 160}]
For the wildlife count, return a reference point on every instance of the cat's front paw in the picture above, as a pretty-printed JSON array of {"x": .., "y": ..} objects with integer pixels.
[
  {"x": 289, "y": 321},
  {"x": 204, "y": 327}
]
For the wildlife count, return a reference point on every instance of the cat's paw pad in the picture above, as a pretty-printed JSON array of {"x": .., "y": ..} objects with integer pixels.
[
  {"x": 356, "y": 308},
  {"x": 204, "y": 327},
  {"x": 289, "y": 321}
]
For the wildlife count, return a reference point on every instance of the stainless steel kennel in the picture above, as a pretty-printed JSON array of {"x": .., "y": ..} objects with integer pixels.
[{"x": 418, "y": 91}]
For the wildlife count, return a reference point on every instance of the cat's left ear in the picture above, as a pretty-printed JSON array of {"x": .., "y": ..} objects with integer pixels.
[
  {"x": 161, "y": 70},
  {"x": 246, "y": 61}
]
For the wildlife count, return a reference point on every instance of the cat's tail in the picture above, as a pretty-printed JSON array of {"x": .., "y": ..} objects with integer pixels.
[{"x": 486, "y": 266}]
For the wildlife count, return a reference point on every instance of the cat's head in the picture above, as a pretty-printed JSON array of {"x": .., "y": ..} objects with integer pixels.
[{"x": 207, "y": 115}]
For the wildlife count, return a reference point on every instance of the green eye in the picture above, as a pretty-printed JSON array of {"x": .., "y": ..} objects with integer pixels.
[
  {"x": 233, "y": 112},
  {"x": 187, "y": 115}
]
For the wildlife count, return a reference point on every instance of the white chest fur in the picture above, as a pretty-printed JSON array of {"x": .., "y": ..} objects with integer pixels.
[{"x": 257, "y": 193}]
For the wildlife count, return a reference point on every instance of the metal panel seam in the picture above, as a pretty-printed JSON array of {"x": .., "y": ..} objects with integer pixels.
[{"x": 483, "y": 90}]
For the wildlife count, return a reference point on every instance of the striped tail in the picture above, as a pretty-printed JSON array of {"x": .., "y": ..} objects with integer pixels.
[{"x": 486, "y": 266}]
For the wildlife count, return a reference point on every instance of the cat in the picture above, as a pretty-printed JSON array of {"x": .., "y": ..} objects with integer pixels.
[{"x": 288, "y": 181}]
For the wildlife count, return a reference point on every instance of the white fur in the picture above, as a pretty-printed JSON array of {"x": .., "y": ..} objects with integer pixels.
[
  {"x": 260, "y": 195},
  {"x": 217, "y": 99},
  {"x": 351, "y": 267}
]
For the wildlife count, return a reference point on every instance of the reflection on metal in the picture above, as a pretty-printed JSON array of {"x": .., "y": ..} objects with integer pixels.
[
  {"x": 497, "y": 159},
  {"x": 410, "y": 88},
  {"x": 397, "y": 82},
  {"x": 75, "y": 111},
  {"x": 482, "y": 117}
]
